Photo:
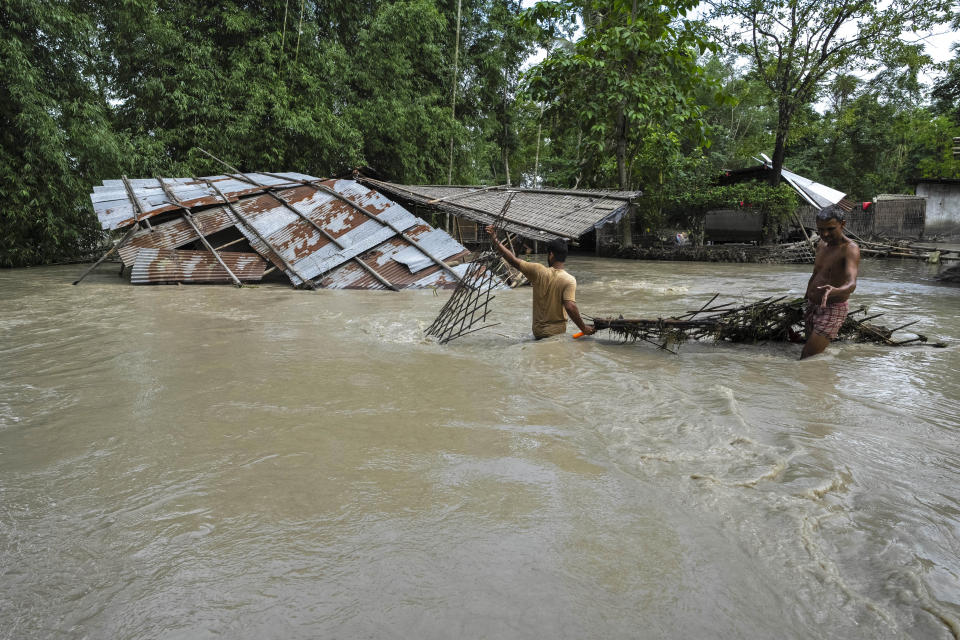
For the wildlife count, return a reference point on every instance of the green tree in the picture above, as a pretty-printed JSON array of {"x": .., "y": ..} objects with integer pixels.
[
  {"x": 874, "y": 143},
  {"x": 628, "y": 81},
  {"x": 400, "y": 100},
  {"x": 495, "y": 48},
  {"x": 232, "y": 78},
  {"x": 946, "y": 89},
  {"x": 740, "y": 126},
  {"x": 55, "y": 138},
  {"x": 798, "y": 45}
]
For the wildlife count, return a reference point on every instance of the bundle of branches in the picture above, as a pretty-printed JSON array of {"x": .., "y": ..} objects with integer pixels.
[{"x": 770, "y": 319}]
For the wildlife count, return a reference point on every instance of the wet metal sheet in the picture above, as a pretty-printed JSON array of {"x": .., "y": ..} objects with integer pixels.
[
  {"x": 115, "y": 210},
  {"x": 384, "y": 260},
  {"x": 156, "y": 266},
  {"x": 176, "y": 233},
  {"x": 336, "y": 233},
  {"x": 309, "y": 251}
]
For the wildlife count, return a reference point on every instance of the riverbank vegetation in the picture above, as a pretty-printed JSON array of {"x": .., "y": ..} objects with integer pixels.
[{"x": 624, "y": 95}]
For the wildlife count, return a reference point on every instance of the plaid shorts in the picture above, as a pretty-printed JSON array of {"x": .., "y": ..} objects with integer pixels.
[{"x": 825, "y": 320}]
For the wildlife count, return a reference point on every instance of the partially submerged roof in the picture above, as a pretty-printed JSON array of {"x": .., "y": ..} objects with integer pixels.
[
  {"x": 538, "y": 214},
  {"x": 158, "y": 266},
  {"x": 319, "y": 233},
  {"x": 813, "y": 193}
]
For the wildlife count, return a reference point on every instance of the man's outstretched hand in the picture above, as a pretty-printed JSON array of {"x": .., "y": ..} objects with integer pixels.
[{"x": 826, "y": 293}]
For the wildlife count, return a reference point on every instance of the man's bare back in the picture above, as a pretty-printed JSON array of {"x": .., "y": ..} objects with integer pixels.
[{"x": 834, "y": 278}]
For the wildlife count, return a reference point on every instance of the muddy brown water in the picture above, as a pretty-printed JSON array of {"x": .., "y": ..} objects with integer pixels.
[{"x": 206, "y": 461}]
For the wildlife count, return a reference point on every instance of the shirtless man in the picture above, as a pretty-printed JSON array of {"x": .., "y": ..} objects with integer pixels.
[
  {"x": 553, "y": 289},
  {"x": 834, "y": 279}
]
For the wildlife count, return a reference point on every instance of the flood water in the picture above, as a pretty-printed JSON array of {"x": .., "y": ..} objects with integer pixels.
[{"x": 206, "y": 461}]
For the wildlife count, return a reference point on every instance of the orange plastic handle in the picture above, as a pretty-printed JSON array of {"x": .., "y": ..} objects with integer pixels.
[{"x": 578, "y": 334}]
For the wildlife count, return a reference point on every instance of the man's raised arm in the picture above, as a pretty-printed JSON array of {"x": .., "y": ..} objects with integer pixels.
[{"x": 511, "y": 259}]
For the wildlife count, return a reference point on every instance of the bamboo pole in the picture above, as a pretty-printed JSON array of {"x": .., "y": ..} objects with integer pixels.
[
  {"x": 453, "y": 98},
  {"x": 296, "y": 56},
  {"x": 115, "y": 247},
  {"x": 136, "y": 203},
  {"x": 137, "y": 213},
  {"x": 231, "y": 243},
  {"x": 457, "y": 196}
]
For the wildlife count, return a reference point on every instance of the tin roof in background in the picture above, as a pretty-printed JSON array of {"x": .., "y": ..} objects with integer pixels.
[
  {"x": 811, "y": 192},
  {"x": 538, "y": 214},
  {"x": 307, "y": 227}
]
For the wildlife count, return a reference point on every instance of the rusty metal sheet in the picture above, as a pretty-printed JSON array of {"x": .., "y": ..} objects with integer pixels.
[
  {"x": 176, "y": 233},
  {"x": 308, "y": 231},
  {"x": 307, "y": 249},
  {"x": 156, "y": 266},
  {"x": 114, "y": 208},
  {"x": 278, "y": 180},
  {"x": 384, "y": 260}
]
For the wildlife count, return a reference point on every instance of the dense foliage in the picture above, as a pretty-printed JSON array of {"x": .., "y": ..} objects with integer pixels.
[
  {"x": 628, "y": 95},
  {"x": 795, "y": 46}
]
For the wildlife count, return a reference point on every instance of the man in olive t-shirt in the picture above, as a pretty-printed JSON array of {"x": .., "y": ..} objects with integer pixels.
[{"x": 554, "y": 290}]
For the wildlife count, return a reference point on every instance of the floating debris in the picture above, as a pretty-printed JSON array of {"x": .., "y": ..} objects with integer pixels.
[
  {"x": 768, "y": 320},
  {"x": 792, "y": 253}
]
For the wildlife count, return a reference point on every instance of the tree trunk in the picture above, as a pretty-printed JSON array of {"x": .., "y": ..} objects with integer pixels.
[
  {"x": 780, "y": 148},
  {"x": 505, "y": 146},
  {"x": 622, "y": 149},
  {"x": 506, "y": 165},
  {"x": 626, "y": 223}
]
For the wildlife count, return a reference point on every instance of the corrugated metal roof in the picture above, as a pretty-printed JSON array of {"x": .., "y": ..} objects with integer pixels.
[
  {"x": 114, "y": 208},
  {"x": 284, "y": 220},
  {"x": 539, "y": 214},
  {"x": 307, "y": 227},
  {"x": 176, "y": 233},
  {"x": 401, "y": 264},
  {"x": 156, "y": 266},
  {"x": 816, "y": 194},
  {"x": 813, "y": 193}
]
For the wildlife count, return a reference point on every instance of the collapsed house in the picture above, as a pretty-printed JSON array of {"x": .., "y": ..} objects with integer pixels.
[
  {"x": 534, "y": 214},
  {"x": 239, "y": 227}
]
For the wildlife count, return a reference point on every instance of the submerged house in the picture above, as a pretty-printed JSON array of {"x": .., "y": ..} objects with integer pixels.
[
  {"x": 239, "y": 227},
  {"x": 534, "y": 214}
]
